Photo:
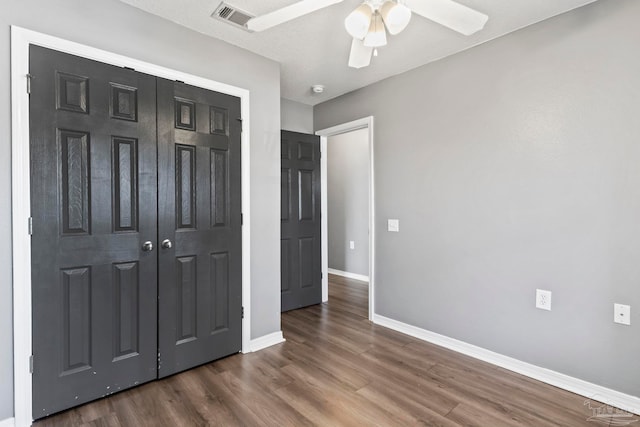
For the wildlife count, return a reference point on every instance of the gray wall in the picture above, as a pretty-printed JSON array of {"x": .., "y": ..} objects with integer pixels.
[
  {"x": 114, "y": 26},
  {"x": 296, "y": 116},
  {"x": 348, "y": 201},
  {"x": 513, "y": 166}
]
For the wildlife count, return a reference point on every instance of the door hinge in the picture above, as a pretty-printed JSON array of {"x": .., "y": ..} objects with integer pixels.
[
  {"x": 243, "y": 312},
  {"x": 241, "y": 219},
  {"x": 321, "y": 275},
  {"x": 129, "y": 68},
  {"x": 240, "y": 120},
  {"x": 31, "y": 364},
  {"x": 30, "y": 230},
  {"x": 29, "y": 77}
]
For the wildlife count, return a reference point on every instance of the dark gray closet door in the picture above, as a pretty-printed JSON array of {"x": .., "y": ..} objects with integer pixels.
[
  {"x": 97, "y": 300},
  {"x": 93, "y": 201},
  {"x": 301, "y": 281},
  {"x": 200, "y": 271}
]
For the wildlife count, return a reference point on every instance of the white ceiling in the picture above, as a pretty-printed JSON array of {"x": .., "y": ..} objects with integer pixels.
[{"x": 314, "y": 49}]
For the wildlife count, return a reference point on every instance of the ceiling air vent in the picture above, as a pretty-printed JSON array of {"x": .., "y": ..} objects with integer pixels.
[{"x": 232, "y": 15}]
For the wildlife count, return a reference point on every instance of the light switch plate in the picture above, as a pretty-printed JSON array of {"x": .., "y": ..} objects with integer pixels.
[
  {"x": 352, "y": 244},
  {"x": 393, "y": 225},
  {"x": 622, "y": 314}
]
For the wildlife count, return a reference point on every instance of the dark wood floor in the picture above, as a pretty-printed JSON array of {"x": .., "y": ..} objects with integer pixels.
[{"x": 337, "y": 369}]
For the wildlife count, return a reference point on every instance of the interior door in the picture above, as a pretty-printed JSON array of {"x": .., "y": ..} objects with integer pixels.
[
  {"x": 301, "y": 279},
  {"x": 200, "y": 288},
  {"x": 131, "y": 176},
  {"x": 93, "y": 201}
]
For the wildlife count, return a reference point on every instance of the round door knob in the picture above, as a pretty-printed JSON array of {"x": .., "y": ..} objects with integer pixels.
[
  {"x": 147, "y": 246},
  {"x": 166, "y": 244}
]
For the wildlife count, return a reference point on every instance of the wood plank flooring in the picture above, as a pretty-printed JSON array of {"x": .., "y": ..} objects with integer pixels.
[{"x": 338, "y": 369}]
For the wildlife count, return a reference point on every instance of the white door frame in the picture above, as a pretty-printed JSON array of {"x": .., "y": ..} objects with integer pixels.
[
  {"x": 20, "y": 201},
  {"x": 364, "y": 123}
]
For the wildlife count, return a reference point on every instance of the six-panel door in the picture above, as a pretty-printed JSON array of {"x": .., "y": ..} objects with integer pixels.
[
  {"x": 200, "y": 301},
  {"x": 93, "y": 198},
  {"x": 300, "y": 268},
  {"x": 117, "y": 157}
]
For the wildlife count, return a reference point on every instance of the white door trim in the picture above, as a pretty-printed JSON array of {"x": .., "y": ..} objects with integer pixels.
[
  {"x": 364, "y": 123},
  {"x": 20, "y": 178}
]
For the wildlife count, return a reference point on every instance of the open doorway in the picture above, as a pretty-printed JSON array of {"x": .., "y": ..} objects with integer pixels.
[{"x": 347, "y": 204}]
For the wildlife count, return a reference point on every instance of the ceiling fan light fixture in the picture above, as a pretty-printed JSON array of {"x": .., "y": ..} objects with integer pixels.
[
  {"x": 359, "y": 21},
  {"x": 377, "y": 35},
  {"x": 396, "y": 16}
]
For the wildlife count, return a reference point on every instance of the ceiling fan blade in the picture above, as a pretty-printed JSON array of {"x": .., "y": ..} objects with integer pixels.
[
  {"x": 360, "y": 55},
  {"x": 453, "y": 15},
  {"x": 287, "y": 13}
]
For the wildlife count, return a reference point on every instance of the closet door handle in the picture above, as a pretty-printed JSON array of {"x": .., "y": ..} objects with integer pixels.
[
  {"x": 147, "y": 246},
  {"x": 166, "y": 244}
]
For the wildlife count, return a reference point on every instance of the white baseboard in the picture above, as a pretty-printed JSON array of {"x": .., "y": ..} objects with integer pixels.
[
  {"x": 602, "y": 394},
  {"x": 265, "y": 341},
  {"x": 9, "y": 422},
  {"x": 348, "y": 275}
]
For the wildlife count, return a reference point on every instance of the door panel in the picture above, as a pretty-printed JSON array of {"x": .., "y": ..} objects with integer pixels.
[
  {"x": 200, "y": 303},
  {"x": 93, "y": 163},
  {"x": 127, "y": 313},
  {"x": 301, "y": 283}
]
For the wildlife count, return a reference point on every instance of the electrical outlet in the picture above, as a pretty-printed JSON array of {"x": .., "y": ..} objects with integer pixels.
[
  {"x": 393, "y": 225},
  {"x": 543, "y": 299},
  {"x": 352, "y": 244},
  {"x": 622, "y": 314}
]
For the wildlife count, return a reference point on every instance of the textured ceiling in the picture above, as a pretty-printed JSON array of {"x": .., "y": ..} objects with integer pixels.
[{"x": 314, "y": 49}]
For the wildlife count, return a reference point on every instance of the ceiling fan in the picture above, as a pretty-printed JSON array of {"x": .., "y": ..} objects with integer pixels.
[{"x": 369, "y": 23}]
